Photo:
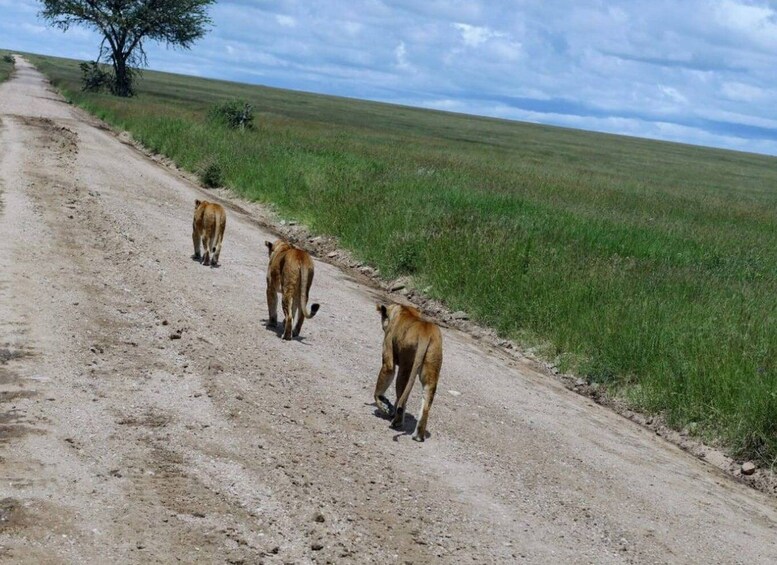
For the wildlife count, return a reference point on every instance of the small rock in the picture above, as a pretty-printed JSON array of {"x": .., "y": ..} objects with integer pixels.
[
  {"x": 748, "y": 468},
  {"x": 460, "y": 315},
  {"x": 318, "y": 517},
  {"x": 292, "y": 222},
  {"x": 579, "y": 382},
  {"x": 175, "y": 336},
  {"x": 332, "y": 254},
  {"x": 454, "y": 393},
  {"x": 397, "y": 286},
  {"x": 165, "y": 322},
  {"x": 316, "y": 546}
]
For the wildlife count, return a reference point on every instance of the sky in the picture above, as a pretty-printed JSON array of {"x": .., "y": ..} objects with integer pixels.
[{"x": 694, "y": 71}]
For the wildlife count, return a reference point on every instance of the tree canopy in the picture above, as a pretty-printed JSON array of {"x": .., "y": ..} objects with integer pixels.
[{"x": 126, "y": 25}]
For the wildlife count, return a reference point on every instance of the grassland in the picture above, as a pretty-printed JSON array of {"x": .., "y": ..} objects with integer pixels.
[{"x": 649, "y": 267}]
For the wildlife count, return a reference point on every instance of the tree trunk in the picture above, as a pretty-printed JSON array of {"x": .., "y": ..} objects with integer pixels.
[{"x": 122, "y": 85}]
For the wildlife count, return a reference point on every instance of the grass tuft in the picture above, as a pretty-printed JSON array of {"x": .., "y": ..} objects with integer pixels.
[
  {"x": 211, "y": 174},
  {"x": 6, "y": 65}
]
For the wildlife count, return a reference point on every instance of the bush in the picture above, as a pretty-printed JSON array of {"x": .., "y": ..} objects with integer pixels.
[
  {"x": 211, "y": 175},
  {"x": 235, "y": 114},
  {"x": 94, "y": 78},
  {"x": 9, "y": 59},
  {"x": 407, "y": 255}
]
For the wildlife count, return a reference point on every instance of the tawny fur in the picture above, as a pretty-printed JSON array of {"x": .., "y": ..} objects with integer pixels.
[
  {"x": 290, "y": 273},
  {"x": 210, "y": 219},
  {"x": 411, "y": 346}
]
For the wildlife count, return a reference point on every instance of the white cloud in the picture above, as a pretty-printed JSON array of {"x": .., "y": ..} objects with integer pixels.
[
  {"x": 754, "y": 22},
  {"x": 285, "y": 21},
  {"x": 401, "y": 54},
  {"x": 673, "y": 94},
  {"x": 473, "y": 36},
  {"x": 742, "y": 92},
  {"x": 35, "y": 28}
]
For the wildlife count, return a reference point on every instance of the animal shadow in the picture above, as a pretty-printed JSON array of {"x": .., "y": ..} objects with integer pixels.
[
  {"x": 409, "y": 424},
  {"x": 278, "y": 330},
  {"x": 199, "y": 260}
]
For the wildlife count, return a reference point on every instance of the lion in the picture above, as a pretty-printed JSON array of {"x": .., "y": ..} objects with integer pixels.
[
  {"x": 414, "y": 345},
  {"x": 290, "y": 272},
  {"x": 210, "y": 219}
]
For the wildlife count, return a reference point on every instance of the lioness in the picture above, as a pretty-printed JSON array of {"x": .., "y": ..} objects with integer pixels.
[
  {"x": 415, "y": 346},
  {"x": 290, "y": 272},
  {"x": 210, "y": 219}
]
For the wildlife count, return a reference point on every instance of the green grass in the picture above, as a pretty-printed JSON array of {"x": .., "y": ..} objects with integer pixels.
[
  {"x": 649, "y": 267},
  {"x": 6, "y": 67}
]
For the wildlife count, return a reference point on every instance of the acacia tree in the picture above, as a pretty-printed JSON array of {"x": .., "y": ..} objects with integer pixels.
[{"x": 126, "y": 24}]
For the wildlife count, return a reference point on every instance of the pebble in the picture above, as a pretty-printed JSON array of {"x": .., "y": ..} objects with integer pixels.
[
  {"x": 748, "y": 468},
  {"x": 332, "y": 254},
  {"x": 460, "y": 315},
  {"x": 454, "y": 393}
]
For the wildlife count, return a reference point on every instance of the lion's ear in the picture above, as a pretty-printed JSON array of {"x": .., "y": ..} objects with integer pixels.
[
  {"x": 197, "y": 203},
  {"x": 382, "y": 309}
]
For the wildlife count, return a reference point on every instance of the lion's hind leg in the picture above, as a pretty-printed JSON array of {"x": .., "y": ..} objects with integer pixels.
[
  {"x": 403, "y": 375},
  {"x": 272, "y": 302},
  {"x": 287, "y": 303},
  {"x": 426, "y": 404},
  {"x": 297, "y": 314},
  {"x": 206, "y": 245},
  {"x": 218, "y": 239},
  {"x": 196, "y": 241},
  {"x": 385, "y": 376}
]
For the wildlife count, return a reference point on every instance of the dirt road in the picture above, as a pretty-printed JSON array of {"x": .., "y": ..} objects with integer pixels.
[{"x": 147, "y": 415}]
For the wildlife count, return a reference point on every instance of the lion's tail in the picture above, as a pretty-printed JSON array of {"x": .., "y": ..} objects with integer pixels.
[
  {"x": 304, "y": 285},
  {"x": 418, "y": 361}
]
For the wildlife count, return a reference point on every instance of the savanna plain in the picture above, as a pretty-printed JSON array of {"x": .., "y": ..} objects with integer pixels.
[
  {"x": 649, "y": 268},
  {"x": 148, "y": 415}
]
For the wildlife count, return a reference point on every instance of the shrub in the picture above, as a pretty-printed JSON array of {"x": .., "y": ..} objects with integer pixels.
[
  {"x": 406, "y": 255},
  {"x": 94, "y": 78},
  {"x": 235, "y": 114},
  {"x": 210, "y": 174},
  {"x": 9, "y": 59}
]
